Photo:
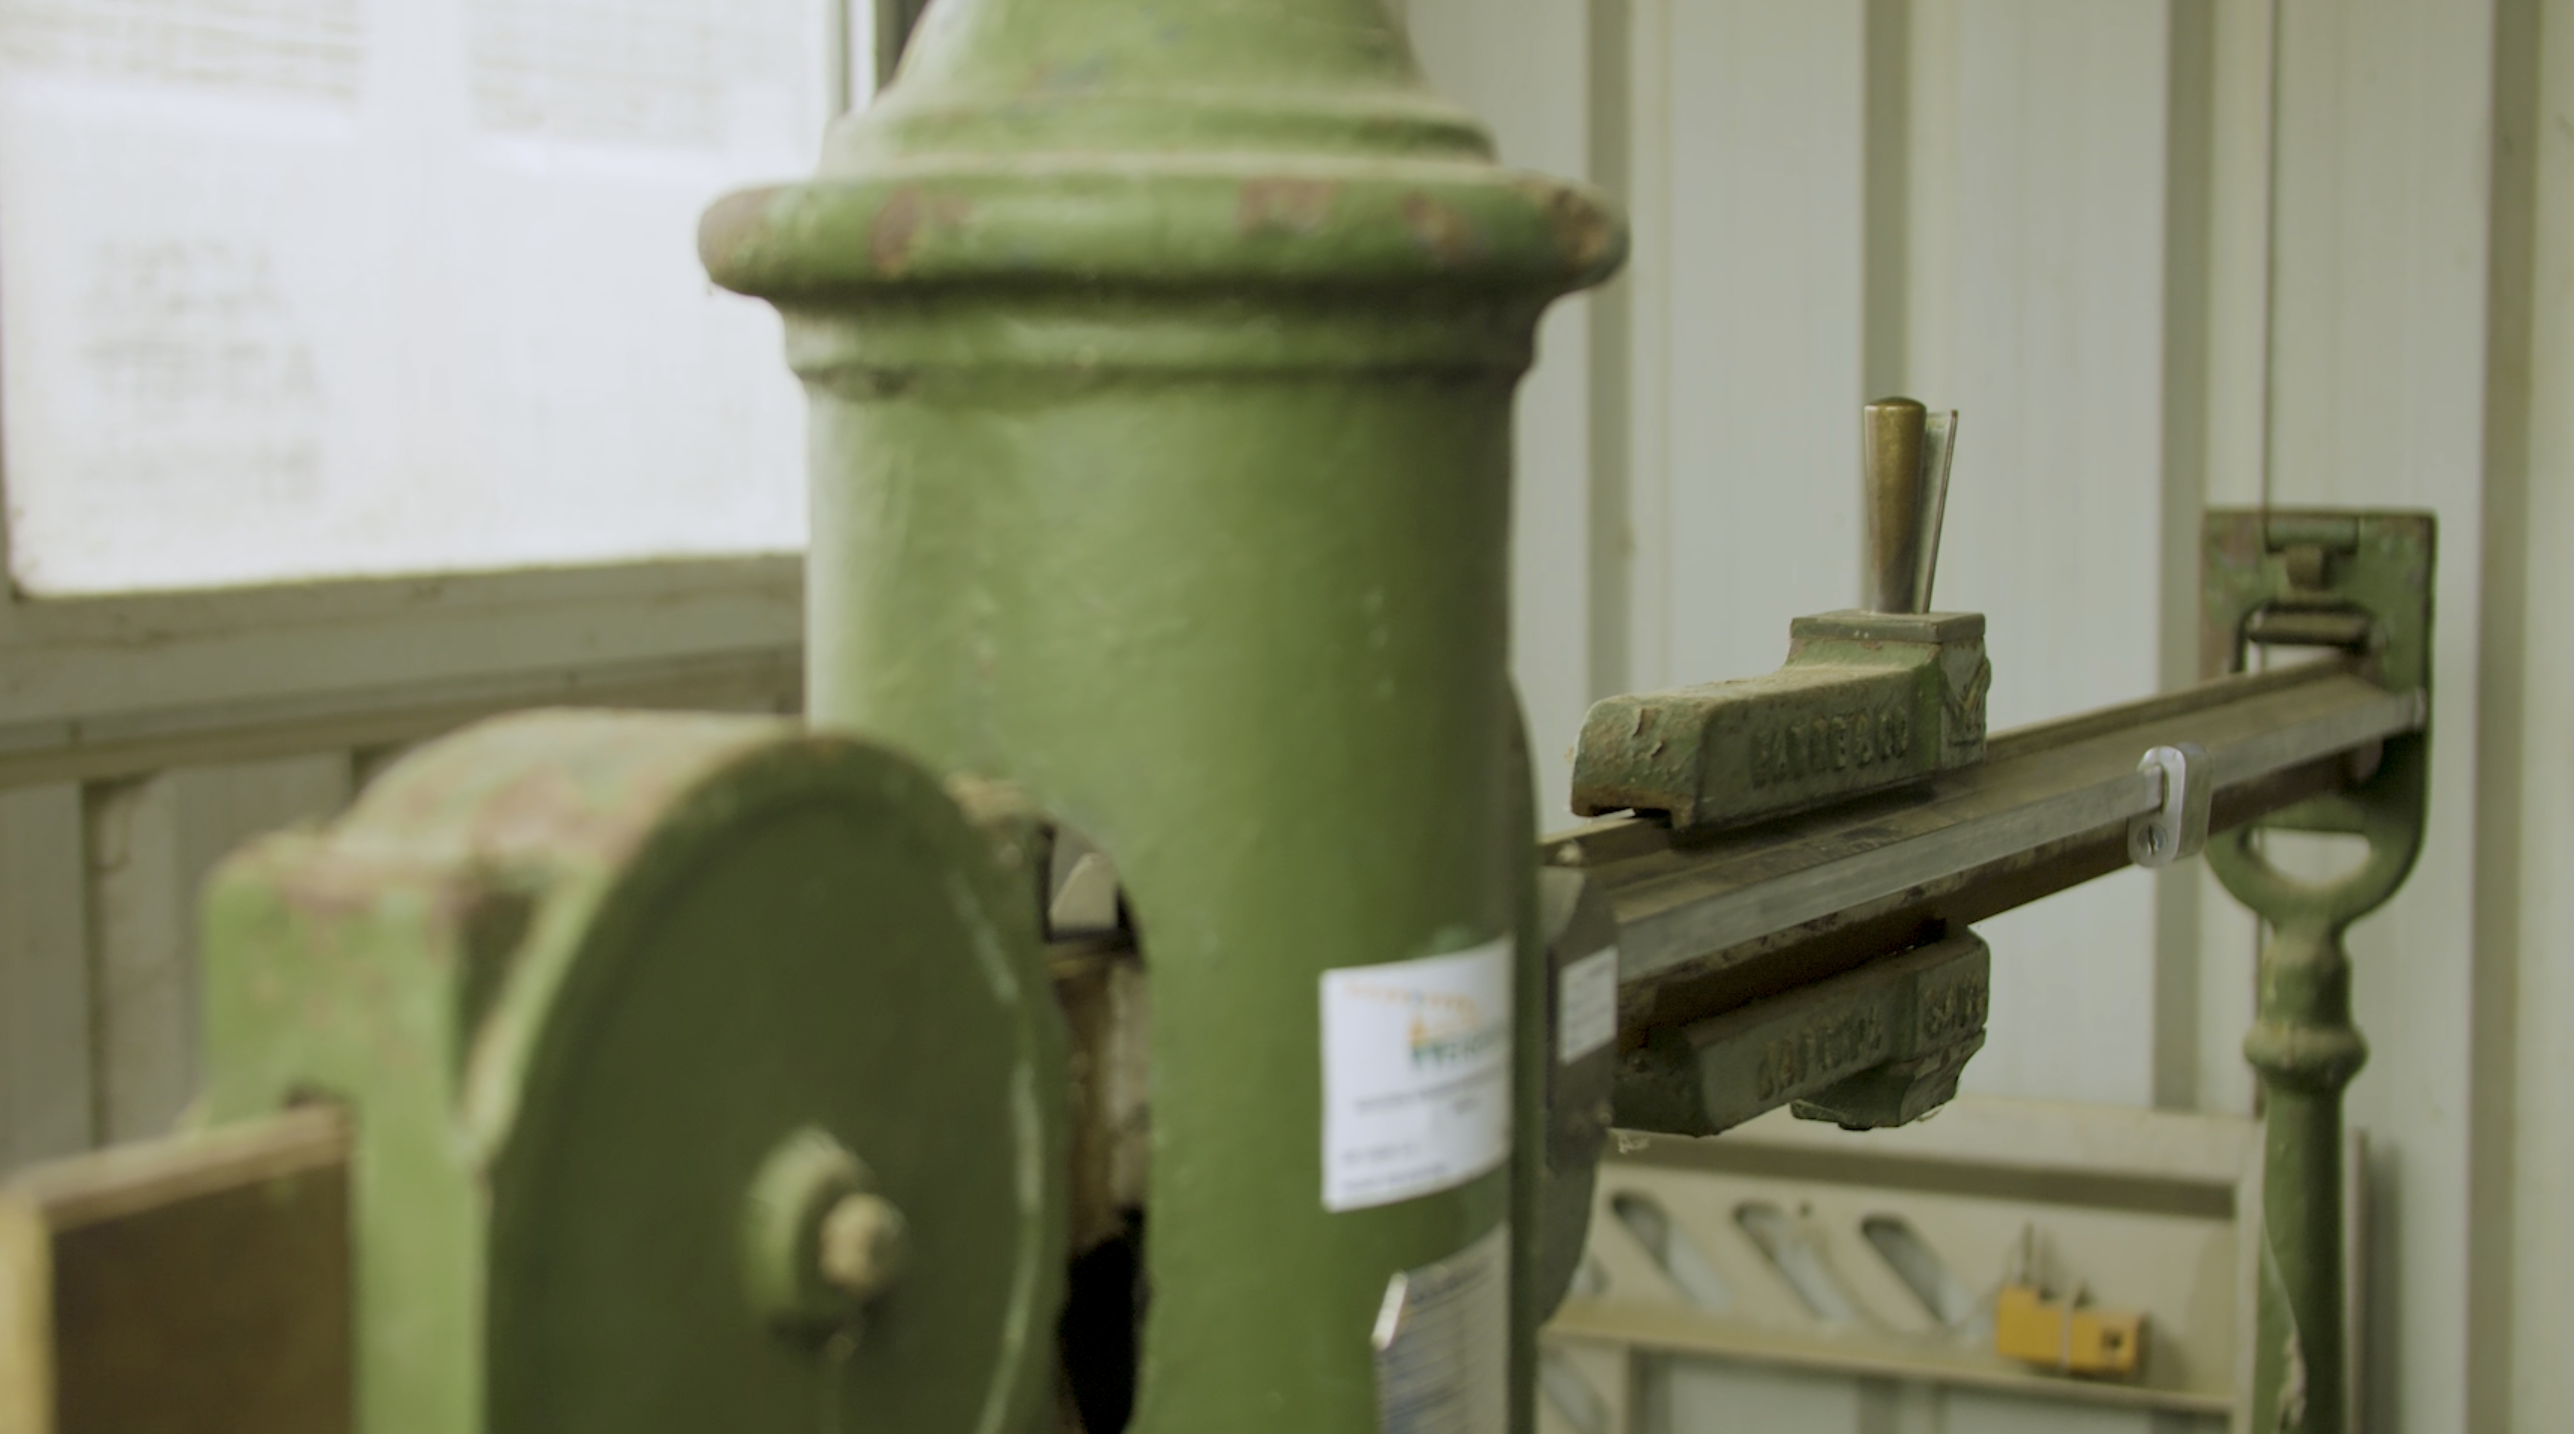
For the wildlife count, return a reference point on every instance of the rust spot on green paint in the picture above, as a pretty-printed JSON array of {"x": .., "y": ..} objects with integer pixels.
[
  {"x": 1583, "y": 234},
  {"x": 1448, "y": 235},
  {"x": 1298, "y": 206},
  {"x": 731, "y": 225},
  {"x": 908, "y": 215}
]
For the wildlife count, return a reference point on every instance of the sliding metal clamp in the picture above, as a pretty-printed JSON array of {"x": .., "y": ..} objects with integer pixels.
[{"x": 2179, "y": 827}]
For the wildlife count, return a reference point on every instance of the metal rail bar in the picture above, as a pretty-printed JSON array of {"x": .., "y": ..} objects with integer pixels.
[{"x": 1710, "y": 923}]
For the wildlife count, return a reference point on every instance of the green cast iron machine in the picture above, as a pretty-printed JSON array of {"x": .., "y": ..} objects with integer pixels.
[{"x": 1138, "y": 998}]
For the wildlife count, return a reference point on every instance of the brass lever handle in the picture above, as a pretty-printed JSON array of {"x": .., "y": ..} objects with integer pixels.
[{"x": 1904, "y": 454}]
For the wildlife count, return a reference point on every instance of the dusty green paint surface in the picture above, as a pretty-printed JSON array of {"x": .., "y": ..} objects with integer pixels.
[
  {"x": 578, "y": 976},
  {"x": 2292, "y": 568},
  {"x": 1161, "y": 359}
]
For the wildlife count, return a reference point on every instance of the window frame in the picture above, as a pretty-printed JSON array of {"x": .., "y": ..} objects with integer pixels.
[{"x": 97, "y": 687}]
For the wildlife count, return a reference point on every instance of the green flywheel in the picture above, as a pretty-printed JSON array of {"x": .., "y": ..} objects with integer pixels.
[{"x": 705, "y": 1072}]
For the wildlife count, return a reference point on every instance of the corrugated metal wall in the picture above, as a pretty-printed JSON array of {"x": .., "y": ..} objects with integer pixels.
[{"x": 2162, "y": 254}]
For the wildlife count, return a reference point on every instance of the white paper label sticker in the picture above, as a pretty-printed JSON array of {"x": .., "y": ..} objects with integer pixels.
[
  {"x": 1586, "y": 1005},
  {"x": 1416, "y": 1075},
  {"x": 1442, "y": 1342}
]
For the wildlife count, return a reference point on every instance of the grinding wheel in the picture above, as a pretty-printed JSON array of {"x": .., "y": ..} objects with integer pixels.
[{"x": 647, "y": 1021}]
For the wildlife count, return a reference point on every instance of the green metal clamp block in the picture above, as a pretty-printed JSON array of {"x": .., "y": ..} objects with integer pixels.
[
  {"x": 1879, "y": 1046},
  {"x": 2359, "y": 583},
  {"x": 704, "y": 1074},
  {"x": 1866, "y": 701}
]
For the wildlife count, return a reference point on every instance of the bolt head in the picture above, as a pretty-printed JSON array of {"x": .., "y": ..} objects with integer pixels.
[
  {"x": 817, "y": 1242},
  {"x": 864, "y": 1246}
]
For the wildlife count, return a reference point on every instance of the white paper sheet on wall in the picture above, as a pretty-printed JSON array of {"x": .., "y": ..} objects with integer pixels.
[{"x": 318, "y": 288}]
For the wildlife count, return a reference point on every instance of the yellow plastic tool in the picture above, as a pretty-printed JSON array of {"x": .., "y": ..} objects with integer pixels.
[{"x": 2065, "y": 1335}]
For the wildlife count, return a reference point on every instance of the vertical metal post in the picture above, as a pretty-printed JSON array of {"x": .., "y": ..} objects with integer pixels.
[{"x": 1161, "y": 361}]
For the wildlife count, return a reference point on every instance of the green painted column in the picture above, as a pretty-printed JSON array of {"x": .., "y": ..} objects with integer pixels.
[
  {"x": 2306, "y": 1050},
  {"x": 1161, "y": 360}
]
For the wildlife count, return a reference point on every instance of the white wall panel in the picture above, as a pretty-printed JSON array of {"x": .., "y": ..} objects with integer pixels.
[
  {"x": 2055, "y": 346},
  {"x": 2234, "y": 389},
  {"x": 1760, "y": 305},
  {"x": 1521, "y": 64},
  {"x": 2536, "y": 771},
  {"x": 2046, "y": 332},
  {"x": 2377, "y": 373}
]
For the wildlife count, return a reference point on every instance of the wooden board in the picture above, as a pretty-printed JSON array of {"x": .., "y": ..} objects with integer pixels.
[{"x": 197, "y": 1285}]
